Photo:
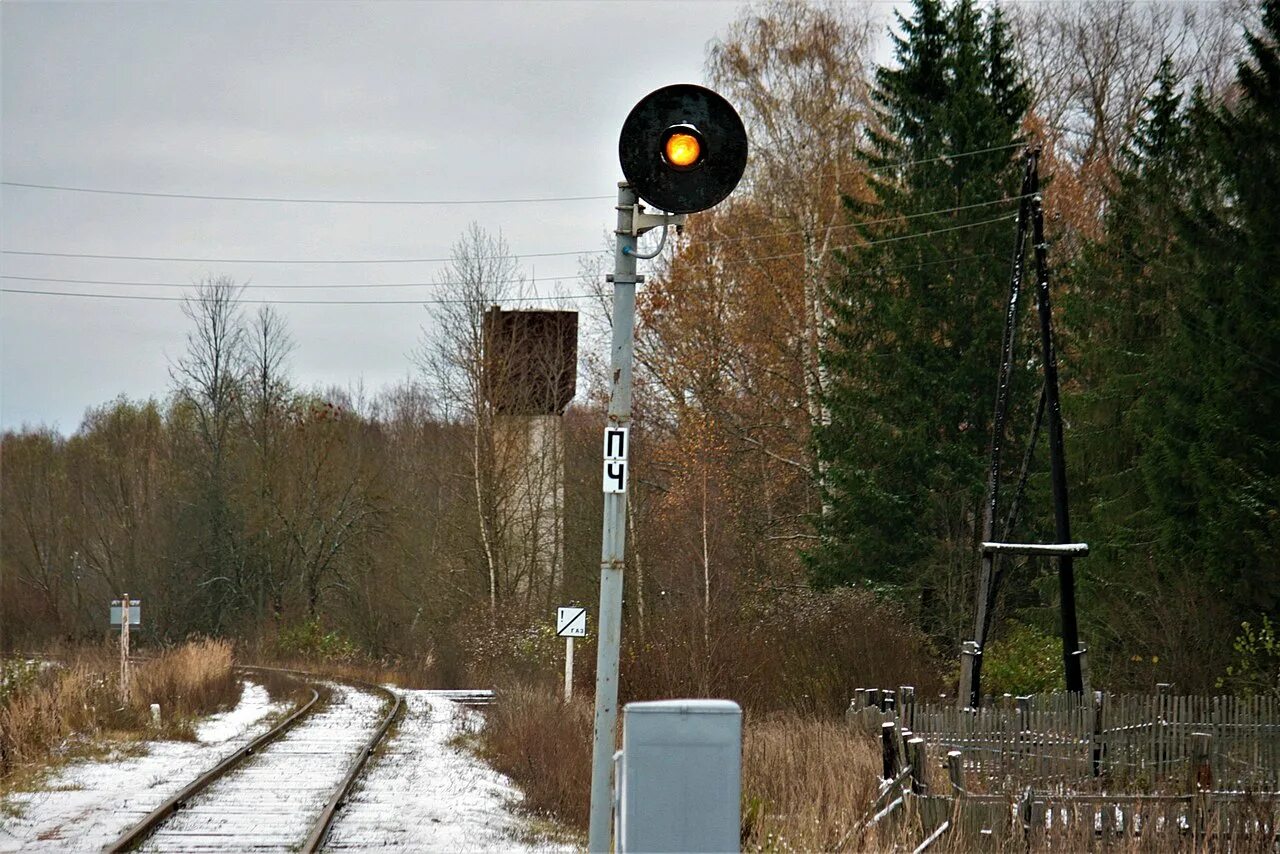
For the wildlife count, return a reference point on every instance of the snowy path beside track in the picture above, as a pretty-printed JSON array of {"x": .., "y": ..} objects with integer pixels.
[
  {"x": 87, "y": 804},
  {"x": 420, "y": 793}
]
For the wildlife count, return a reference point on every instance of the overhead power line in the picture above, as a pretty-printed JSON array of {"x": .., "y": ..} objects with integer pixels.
[
  {"x": 950, "y": 156},
  {"x": 864, "y": 223},
  {"x": 359, "y": 285},
  {"x": 155, "y": 194},
  {"x": 291, "y": 200},
  {"x": 913, "y": 235},
  {"x": 579, "y": 253},
  {"x": 253, "y": 286},
  {"x": 894, "y": 239},
  {"x": 145, "y": 298},
  {"x": 288, "y": 260}
]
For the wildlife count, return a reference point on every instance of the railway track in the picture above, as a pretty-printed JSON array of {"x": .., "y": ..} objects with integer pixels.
[{"x": 282, "y": 790}]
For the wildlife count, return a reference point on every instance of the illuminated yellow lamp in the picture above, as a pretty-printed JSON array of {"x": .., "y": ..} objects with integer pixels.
[{"x": 683, "y": 149}]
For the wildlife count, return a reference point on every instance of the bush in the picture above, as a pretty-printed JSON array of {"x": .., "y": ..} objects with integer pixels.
[
  {"x": 16, "y": 676},
  {"x": 801, "y": 651},
  {"x": 1023, "y": 660},
  {"x": 543, "y": 744},
  {"x": 1257, "y": 667},
  {"x": 309, "y": 640}
]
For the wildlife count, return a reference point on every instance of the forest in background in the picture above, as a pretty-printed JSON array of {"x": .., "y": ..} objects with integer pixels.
[{"x": 816, "y": 373}]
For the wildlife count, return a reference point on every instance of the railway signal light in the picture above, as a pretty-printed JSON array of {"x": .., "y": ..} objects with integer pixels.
[{"x": 683, "y": 148}]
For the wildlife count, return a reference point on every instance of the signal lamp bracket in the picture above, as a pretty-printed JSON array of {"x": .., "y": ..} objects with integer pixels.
[{"x": 642, "y": 222}]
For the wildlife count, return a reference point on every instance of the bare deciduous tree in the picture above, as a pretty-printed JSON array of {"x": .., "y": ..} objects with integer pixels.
[
  {"x": 799, "y": 73},
  {"x": 481, "y": 273},
  {"x": 263, "y": 408},
  {"x": 1092, "y": 64},
  {"x": 208, "y": 380}
]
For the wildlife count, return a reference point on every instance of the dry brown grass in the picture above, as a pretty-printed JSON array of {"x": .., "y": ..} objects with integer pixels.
[
  {"x": 79, "y": 700},
  {"x": 806, "y": 783},
  {"x": 534, "y": 738},
  {"x": 187, "y": 682}
]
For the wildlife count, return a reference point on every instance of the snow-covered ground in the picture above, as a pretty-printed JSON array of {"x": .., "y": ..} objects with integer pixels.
[
  {"x": 87, "y": 804},
  {"x": 420, "y": 793},
  {"x": 423, "y": 794}
]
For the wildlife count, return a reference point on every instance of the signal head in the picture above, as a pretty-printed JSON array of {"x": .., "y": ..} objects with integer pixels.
[{"x": 683, "y": 148}]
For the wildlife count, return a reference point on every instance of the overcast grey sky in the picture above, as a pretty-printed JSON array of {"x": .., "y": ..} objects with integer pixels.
[{"x": 332, "y": 100}]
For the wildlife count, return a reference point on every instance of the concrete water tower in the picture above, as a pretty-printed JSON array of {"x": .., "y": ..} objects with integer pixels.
[{"x": 531, "y": 372}]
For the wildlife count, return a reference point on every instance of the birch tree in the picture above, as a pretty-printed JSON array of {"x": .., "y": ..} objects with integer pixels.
[{"x": 481, "y": 273}]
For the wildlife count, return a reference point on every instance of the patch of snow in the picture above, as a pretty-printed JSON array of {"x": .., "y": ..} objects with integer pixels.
[
  {"x": 87, "y": 804},
  {"x": 423, "y": 794}
]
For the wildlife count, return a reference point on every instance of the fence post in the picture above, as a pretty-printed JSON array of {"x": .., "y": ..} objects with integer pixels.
[
  {"x": 969, "y": 653},
  {"x": 907, "y": 705},
  {"x": 1099, "y": 699},
  {"x": 1024, "y": 810},
  {"x": 1083, "y": 654},
  {"x": 1201, "y": 783},
  {"x": 915, "y": 756},
  {"x": 889, "y": 747},
  {"x": 1201, "y": 762},
  {"x": 955, "y": 771}
]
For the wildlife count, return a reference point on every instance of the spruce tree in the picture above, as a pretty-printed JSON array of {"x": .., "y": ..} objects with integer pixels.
[
  {"x": 1176, "y": 320},
  {"x": 1118, "y": 310},
  {"x": 917, "y": 314},
  {"x": 1212, "y": 467},
  {"x": 1120, "y": 295}
]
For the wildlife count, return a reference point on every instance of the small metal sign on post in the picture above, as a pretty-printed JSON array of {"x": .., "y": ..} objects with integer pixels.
[
  {"x": 615, "y": 459},
  {"x": 125, "y": 612},
  {"x": 570, "y": 623}
]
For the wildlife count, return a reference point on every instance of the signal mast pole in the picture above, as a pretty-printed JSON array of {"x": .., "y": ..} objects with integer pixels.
[{"x": 609, "y": 634}]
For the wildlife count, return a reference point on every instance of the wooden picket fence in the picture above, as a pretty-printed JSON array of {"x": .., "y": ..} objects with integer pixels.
[
  {"x": 1119, "y": 741},
  {"x": 1231, "y": 821},
  {"x": 1171, "y": 771}
]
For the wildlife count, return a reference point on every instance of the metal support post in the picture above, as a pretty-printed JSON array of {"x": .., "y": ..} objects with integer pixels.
[
  {"x": 613, "y": 545},
  {"x": 568, "y": 669},
  {"x": 124, "y": 648},
  {"x": 1057, "y": 456}
]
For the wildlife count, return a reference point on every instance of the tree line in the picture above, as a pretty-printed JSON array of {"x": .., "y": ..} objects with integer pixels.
[{"x": 816, "y": 372}]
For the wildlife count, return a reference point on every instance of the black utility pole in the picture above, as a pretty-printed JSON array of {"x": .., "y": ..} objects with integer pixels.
[
  {"x": 971, "y": 669},
  {"x": 1057, "y": 457},
  {"x": 994, "y": 543}
]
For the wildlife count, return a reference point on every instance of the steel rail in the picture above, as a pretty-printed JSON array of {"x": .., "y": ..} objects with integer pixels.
[
  {"x": 140, "y": 831},
  {"x": 320, "y": 830}
]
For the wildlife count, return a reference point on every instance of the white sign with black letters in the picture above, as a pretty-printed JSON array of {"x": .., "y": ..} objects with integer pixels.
[
  {"x": 571, "y": 622},
  {"x": 616, "y": 440}
]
